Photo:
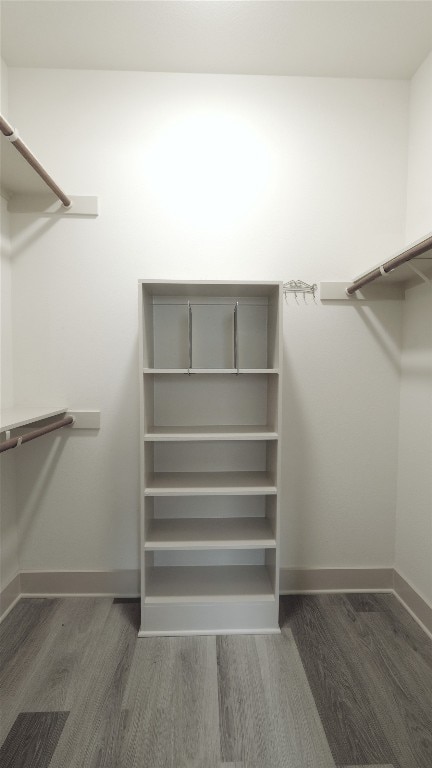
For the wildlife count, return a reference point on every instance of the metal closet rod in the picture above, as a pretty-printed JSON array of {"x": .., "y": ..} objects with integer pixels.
[
  {"x": 22, "y": 148},
  {"x": 14, "y": 441},
  {"x": 388, "y": 266}
]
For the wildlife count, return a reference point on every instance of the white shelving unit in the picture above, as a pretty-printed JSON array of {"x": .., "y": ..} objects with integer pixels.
[{"x": 210, "y": 386}]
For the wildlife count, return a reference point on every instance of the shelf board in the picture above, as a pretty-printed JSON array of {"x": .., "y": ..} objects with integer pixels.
[
  {"x": 183, "y": 584},
  {"x": 26, "y": 192},
  {"x": 217, "y": 288},
  {"x": 20, "y": 416},
  {"x": 211, "y": 533},
  {"x": 391, "y": 285},
  {"x": 194, "y": 371},
  {"x": 205, "y": 483},
  {"x": 211, "y": 432}
]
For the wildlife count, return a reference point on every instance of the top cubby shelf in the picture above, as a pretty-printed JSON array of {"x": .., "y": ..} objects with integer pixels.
[{"x": 214, "y": 327}]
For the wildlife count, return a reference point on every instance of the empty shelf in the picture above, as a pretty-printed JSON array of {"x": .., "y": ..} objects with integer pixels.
[
  {"x": 170, "y": 584},
  {"x": 189, "y": 483},
  {"x": 211, "y": 533},
  {"x": 212, "y": 432},
  {"x": 194, "y": 371}
]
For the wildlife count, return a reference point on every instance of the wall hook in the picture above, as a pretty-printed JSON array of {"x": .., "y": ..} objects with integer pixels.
[{"x": 299, "y": 287}]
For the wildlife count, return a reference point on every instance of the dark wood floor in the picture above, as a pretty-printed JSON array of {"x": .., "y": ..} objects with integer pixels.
[{"x": 347, "y": 683}]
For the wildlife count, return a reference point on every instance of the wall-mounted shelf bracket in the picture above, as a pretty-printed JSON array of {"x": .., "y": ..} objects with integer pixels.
[
  {"x": 26, "y": 416},
  {"x": 418, "y": 272},
  {"x": 336, "y": 291}
]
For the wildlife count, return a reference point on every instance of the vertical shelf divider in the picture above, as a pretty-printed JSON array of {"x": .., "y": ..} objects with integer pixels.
[
  {"x": 189, "y": 336},
  {"x": 236, "y": 344}
]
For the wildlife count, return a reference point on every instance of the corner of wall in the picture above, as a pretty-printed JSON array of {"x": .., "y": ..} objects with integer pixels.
[
  {"x": 4, "y": 78},
  {"x": 10, "y": 567},
  {"x": 413, "y": 545},
  {"x": 418, "y": 219}
]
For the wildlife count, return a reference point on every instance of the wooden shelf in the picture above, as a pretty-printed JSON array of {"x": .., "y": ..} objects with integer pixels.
[
  {"x": 206, "y": 371},
  {"x": 203, "y": 483},
  {"x": 171, "y": 584},
  {"x": 211, "y": 432},
  {"x": 392, "y": 284},
  {"x": 20, "y": 416},
  {"x": 211, "y": 533},
  {"x": 27, "y": 192}
]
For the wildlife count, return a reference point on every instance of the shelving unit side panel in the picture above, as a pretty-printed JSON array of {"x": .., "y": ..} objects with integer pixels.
[
  {"x": 278, "y": 445},
  {"x": 149, "y": 514},
  {"x": 273, "y": 389},
  {"x": 148, "y": 464},
  {"x": 146, "y": 328},
  {"x": 147, "y": 559},
  {"x": 270, "y": 562},
  {"x": 271, "y": 514},
  {"x": 143, "y": 359},
  {"x": 147, "y": 410},
  {"x": 272, "y": 465},
  {"x": 274, "y": 328}
]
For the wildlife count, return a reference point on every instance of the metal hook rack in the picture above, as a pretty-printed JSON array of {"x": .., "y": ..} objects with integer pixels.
[{"x": 299, "y": 287}]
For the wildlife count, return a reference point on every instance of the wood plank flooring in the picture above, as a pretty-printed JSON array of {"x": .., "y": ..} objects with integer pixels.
[
  {"x": 32, "y": 739},
  {"x": 266, "y": 709},
  {"x": 348, "y": 683}
]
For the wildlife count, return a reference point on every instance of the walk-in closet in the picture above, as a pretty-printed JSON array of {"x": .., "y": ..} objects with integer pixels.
[{"x": 216, "y": 384}]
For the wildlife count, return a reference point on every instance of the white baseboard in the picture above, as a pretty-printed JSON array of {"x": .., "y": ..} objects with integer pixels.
[
  {"x": 10, "y": 595},
  {"x": 125, "y": 583},
  {"x": 293, "y": 580},
  {"x": 416, "y": 605},
  {"x": 121, "y": 583}
]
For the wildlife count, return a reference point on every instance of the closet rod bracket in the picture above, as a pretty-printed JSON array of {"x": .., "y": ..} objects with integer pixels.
[{"x": 419, "y": 273}]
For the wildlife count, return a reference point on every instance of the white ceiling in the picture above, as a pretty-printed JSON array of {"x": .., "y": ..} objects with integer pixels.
[{"x": 380, "y": 39}]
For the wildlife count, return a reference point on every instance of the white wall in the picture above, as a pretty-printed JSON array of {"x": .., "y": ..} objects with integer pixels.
[
  {"x": 414, "y": 500},
  {"x": 419, "y": 187},
  {"x": 209, "y": 177},
  {"x": 8, "y": 520}
]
